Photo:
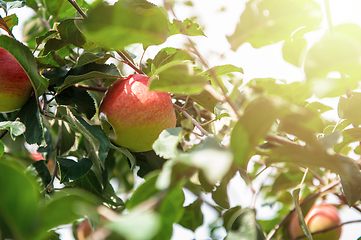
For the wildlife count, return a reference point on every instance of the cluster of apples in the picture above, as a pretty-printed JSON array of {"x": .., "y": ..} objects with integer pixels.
[
  {"x": 130, "y": 114},
  {"x": 320, "y": 217}
]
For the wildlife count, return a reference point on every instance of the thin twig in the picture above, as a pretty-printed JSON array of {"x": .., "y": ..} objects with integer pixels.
[
  {"x": 193, "y": 120},
  {"x": 91, "y": 88},
  {"x": 75, "y": 5},
  {"x": 129, "y": 63}
]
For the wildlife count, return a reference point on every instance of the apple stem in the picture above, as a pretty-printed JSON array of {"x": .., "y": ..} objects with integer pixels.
[{"x": 193, "y": 120}]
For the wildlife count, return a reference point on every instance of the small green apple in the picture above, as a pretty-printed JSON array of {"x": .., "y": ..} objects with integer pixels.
[
  {"x": 132, "y": 116},
  {"x": 15, "y": 85},
  {"x": 318, "y": 218}
]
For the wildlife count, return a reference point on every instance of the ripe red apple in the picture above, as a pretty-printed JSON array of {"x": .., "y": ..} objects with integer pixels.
[
  {"x": 132, "y": 116},
  {"x": 15, "y": 85},
  {"x": 318, "y": 218}
]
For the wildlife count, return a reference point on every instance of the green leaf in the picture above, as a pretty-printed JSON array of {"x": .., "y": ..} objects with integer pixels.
[
  {"x": 144, "y": 192},
  {"x": 97, "y": 138},
  {"x": 245, "y": 226},
  {"x": 270, "y": 21},
  {"x": 348, "y": 136},
  {"x": 29, "y": 115},
  {"x": 71, "y": 170},
  {"x": 348, "y": 108},
  {"x": 148, "y": 162},
  {"x": 168, "y": 54},
  {"x": 300, "y": 216},
  {"x": 42, "y": 171},
  {"x": 178, "y": 78},
  {"x": 7, "y": 23},
  {"x": 171, "y": 211},
  {"x": 317, "y": 157},
  {"x": 111, "y": 25},
  {"x": 91, "y": 183},
  {"x": 52, "y": 59},
  {"x": 88, "y": 57},
  {"x": 136, "y": 225},
  {"x": 255, "y": 123},
  {"x": 294, "y": 50},
  {"x": 336, "y": 52},
  {"x": 88, "y": 72},
  {"x": 185, "y": 27},
  {"x": 16, "y": 128},
  {"x": 61, "y": 9},
  {"x": 110, "y": 198},
  {"x": 67, "y": 138},
  {"x": 206, "y": 100},
  {"x": 79, "y": 98},
  {"x": 46, "y": 36},
  {"x": 214, "y": 160},
  {"x": 26, "y": 59},
  {"x": 166, "y": 144},
  {"x": 2, "y": 148},
  {"x": 70, "y": 33},
  {"x": 126, "y": 152},
  {"x": 18, "y": 202}
]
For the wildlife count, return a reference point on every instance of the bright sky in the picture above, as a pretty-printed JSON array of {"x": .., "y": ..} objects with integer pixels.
[{"x": 263, "y": 62}]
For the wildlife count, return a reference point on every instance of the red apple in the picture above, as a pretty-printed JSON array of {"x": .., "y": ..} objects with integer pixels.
[
  {"x": 318, "y": 218},
  {"x": 15, "y": 85},
  {"x": 132, "y": 116}
]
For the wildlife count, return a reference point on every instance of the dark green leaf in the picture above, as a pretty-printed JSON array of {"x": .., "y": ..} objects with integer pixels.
[
  {"x": 49, "y": 34},
  {"x": 88, "y": 72},
  {"x": 111, "y": 25},
  {"x": 185, "y": 27},
  {"x": 148, "y": 162},
  {"x": 79, "y": 98},
  {"x": 145, "y": 191},
  {"x": 26, "y": 59},
  {"x": 110, "y": 198},
  {"x": 88, "y": 57},
  {"x": 2, "y": 148},
  {"x": 90, "y": 183},
  {"x": 30, "y": 116},
  {"x": 71, "y": 170},
  {"x": 53, "y": 44},
  {"x": 270, "y": 21},
  {"x": 42, "y": 171},
  {"x": 52, "y": 59},
  {"x": 193, "y": 216}
]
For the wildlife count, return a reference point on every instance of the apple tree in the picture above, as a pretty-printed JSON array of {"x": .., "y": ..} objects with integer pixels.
[{"x": 59, "y": 165}]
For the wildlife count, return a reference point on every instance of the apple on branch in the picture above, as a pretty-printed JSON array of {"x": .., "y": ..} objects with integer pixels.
[
  {"x": 132, "y": 116},
  {"x": 15, "y": 85},
  {"x": 319, "y": 217}
]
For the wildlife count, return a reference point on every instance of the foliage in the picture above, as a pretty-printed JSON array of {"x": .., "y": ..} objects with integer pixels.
[{"x": 262, "y": 129}]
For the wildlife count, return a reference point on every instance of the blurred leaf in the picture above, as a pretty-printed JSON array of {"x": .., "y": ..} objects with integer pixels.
[
  {"x": 42, "y": 171},
  {"x": 349, "y": 29},
  {"x": 310, "y": 157},
  {"x": 230, "y": 215},
  {"x": 192, "y": 216},
  {"x": 294, "y": 50},
  {"x": 79, "y": 98},
  {"x": 148, "y": 162},
  {"x": 270, "y": 21},
  {"x": 110, "y": 198},
  {"x": 245, "y": 226},
  {"x": 318, "y": 107},
  {"x": 71, "y": 170},
  {"x": 88, "y": 72},
  {"x": 331, "y": 139},
  {"x": 171, "y": 211},
  {"x": 348, "y": 136},
  {"x": 300, "y": 216},
  {"x": 255, "y": 123},
  {"x": 70, "y": 33},
  {"x": 334, "y": 52},
  {"x": 29, "y": 115},
  {"x": 334, "y": 87},
  {"x": 166, "y": 144},
  {"x": 136, "y": 225},
  {"x": 88, "y": 57},
  {"x": 26, "y": 59},
  {"x": 126, "y": 152},
  {"x": 111, "y": 25},
  {"x": 185, "y": 27},
  {"x": 8, "y": 5},
  {"x": 178, "y": 78},
  {"x": 206, "y": 100},
  {"x": 144, "y": 192},
  {"x": 348, "y": 108},
  {"x": 90, "y": 183},
  {"x": 2, "y": 148},
  {"x": 18, "y": 202},
  {"x": 16, "y": 128},
  {"x": 214, "y": 160}
]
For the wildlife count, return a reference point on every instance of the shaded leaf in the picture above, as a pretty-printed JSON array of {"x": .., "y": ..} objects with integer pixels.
[
  {"x": 70, "y": 33},
  {"x": 71, "y": 170},
  {"x": 42, "y": 171}
]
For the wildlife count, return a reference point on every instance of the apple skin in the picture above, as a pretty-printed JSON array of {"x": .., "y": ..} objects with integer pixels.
[
  {"x": 15, "y": 85},
  {"x": 318, "y": 218},
  {"x": 132, "y": 116}
]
